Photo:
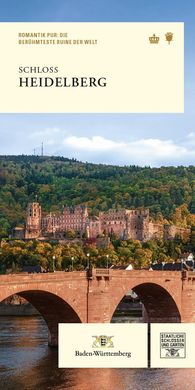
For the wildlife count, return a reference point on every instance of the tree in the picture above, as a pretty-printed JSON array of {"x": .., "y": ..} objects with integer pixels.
[{"x": 70, "y": 234}]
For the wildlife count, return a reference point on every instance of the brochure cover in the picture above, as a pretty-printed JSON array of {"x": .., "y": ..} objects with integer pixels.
[{"x": 97, "y": 195}]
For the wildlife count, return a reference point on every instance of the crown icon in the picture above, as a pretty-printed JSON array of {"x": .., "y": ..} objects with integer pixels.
[{"x": 154, "y": 39}]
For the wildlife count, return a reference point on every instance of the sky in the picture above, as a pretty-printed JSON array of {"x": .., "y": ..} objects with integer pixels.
[{"x": 122, "y": 139}]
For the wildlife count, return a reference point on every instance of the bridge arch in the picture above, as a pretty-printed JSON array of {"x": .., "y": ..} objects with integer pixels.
[
  {"x": 53, "y": 308},
  {"x": 159, "y": 303}
]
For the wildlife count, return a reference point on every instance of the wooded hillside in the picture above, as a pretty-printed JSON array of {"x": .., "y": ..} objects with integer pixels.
[{"x": 59, "y": 181}]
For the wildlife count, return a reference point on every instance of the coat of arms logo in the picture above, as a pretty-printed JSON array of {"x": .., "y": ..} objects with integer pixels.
[{"x": 103, "y": 342}]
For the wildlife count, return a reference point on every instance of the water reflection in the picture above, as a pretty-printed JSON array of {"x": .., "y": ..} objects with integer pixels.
[{"x": 26, "y": 362}]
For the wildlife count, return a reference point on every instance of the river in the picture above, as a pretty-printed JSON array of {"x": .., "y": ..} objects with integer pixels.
[{"x": 27, "y": 363}]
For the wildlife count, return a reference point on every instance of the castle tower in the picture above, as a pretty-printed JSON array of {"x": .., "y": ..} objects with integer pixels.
[
  {"x": 33, "y": 220},
  {"x": 137, "y": 224}
]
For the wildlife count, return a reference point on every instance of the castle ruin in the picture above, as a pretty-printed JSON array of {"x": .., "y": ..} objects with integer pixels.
[{"x": 121, "y": 223}]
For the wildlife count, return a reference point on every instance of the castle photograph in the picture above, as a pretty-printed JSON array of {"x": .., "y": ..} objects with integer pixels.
[{"x": 121, "y": 223}]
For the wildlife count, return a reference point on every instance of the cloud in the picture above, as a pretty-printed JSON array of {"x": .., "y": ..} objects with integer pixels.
[
  {"x": 191, "y": 135},
  {"x": 94, "y": 144},
  {"x": 51, "y": 137},
  {"x": 45, "y": 132},
  {"x": 144, "y": 151}
]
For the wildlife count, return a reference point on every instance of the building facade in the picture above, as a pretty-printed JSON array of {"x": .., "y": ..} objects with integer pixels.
[
  {"x": 121, "y": 223},
  {"x": 53, "y": 224}
]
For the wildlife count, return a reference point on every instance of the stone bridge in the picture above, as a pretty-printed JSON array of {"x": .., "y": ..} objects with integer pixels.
[{"x": 93, "y": 296}]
